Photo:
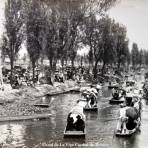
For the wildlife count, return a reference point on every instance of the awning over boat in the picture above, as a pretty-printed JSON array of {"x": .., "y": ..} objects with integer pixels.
[{"x": 78, "y": 110}]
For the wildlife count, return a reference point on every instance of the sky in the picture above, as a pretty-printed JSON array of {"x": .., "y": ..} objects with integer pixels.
[
  {"x": 2, "y": 5},
  {"x": 131, "y": 13},
  {"x": 134, "y": 15}
]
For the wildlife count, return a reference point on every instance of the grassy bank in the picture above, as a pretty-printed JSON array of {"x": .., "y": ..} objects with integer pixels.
[{"x": 21, "y": 102}]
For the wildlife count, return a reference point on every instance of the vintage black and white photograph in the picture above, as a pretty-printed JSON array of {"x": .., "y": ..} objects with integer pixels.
[{"x": 73, "y": 73}]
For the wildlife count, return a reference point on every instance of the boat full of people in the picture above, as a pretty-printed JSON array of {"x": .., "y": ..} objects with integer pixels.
[
  {"x": 75, "y": 123},
  {"x": 113, "y": 85},
  {"x": 91, "y": 95},
  {"x": 130, "y": 116},
  {"x": 91, "y": 104},
  {"x": 117, "y": 96}
]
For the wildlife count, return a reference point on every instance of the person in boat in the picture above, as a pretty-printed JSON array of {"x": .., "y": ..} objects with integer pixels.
[
  {"x": 122, "y": 118},
  {"x": 115, "y": 93},
  {"x": 134, "y": 114},
  {"x": 131, "y": 120},
  {"x": 110, "y": 83},
  {"x": 129, "y": 114},
  {"x": 90, "y": 93},
  {"x": 98, "y": 88},
  {"x": 123, "y": 93},
  {"x": 85, "y": 94},
  {"x": 137, "y": 105},
  {"x": 93, "y": 90},
  {"x": 70, "y": 123},
  {"x": 79, "y": 124},
  {"x": 92, "y": 101}
]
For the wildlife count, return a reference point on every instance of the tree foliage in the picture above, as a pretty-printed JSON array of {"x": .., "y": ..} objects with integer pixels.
[
  {"x": 14, "y": 29},
  {"x": 34, "y": 22},
  {"x": 135, "y": 54},
  {"x": 56, "y": 29}
]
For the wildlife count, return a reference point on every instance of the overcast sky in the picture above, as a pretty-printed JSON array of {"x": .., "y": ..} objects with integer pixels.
[
  {"x": 2, "y": 5},
  {"x": 134, "y": 15}
]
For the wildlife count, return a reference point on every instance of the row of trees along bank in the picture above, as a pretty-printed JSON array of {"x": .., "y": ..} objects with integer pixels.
[{"x": 56, "y": 29}]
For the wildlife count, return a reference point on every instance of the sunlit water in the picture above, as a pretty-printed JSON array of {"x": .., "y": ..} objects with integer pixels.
[{"x": 100, "y": 127}]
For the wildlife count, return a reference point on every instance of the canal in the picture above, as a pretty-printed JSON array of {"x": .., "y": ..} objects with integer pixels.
[{"x": 100, "y": 127}]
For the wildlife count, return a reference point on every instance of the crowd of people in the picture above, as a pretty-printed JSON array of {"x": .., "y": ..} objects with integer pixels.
[{"x": 24, "y": 76}]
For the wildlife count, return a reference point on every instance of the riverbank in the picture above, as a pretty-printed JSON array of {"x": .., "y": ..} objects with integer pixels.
[{"x": 20, "y": 102}]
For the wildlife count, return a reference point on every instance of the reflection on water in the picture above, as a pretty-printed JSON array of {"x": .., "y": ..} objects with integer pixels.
[
  {"x": 100, "y": 126},
  {"x": 12, "y": 134}
]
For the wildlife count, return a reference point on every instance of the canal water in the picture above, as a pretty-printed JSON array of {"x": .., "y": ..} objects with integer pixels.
[{"x": 100, "y": 127}]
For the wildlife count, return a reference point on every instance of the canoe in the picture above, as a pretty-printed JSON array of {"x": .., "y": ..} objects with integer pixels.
[
  {"x": 25, "y": 117},
  {"x": 87, "y": 108},
  {"x": 113, "y": 86},
  {"x": 42, "y": 105},
  {"x": 114, "y": 101},
  {"x": 128, "y": 132},
  {"x": 117, "y": 101},
  {"x": 81, "y": 100},
  {"x": 90, "y": 108},
  {"x": 74, "y": 133}
]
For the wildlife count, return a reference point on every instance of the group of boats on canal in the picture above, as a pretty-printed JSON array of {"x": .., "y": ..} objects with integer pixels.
[{"x": 125, "y": 94}]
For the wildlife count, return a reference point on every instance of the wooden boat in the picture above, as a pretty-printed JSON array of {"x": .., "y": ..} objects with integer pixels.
[
  {"x": 130, "y": 112},
  {"x": 117, "y": 101},
  {"x": 42, "y": 105},
  {"x": 91, "y": 108},
  {"x": 86, "y": 108},
  {"x": 81, "y": 100},
  {"x": 113, "y": 86},
  {"x": 114, "y": 101},
  {"x": 117, "y": 96},
  {"x": 72, "y": 131},
  {"x": 127, "y": 132}
]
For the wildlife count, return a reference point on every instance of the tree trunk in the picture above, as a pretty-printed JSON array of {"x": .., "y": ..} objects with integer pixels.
[
  {"x": 62, "y": 62},
  {"x": 103, "y": 68},
  {"x": 72, "y": 62},
  {"x": 11, "y": 77},
  {"x": 11, "y": 64},
  {"x": 119, "y": 65},
  {"x": 95, "y": 70},
  {"x": 81, "y": 61},
  {"x": 52, "y": 67},
  {"x": 50, "y": 63},
  {"x": 33, "y": 71}
]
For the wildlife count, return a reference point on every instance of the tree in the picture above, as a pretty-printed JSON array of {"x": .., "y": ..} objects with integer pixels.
[
  {"x": 121, "y": 42},
  {"x": 107, "y": 49},
  {"x": 128, "y": 59},
  {"x": 141, "y": 57},
  {"x": 69, "y": 16},
  {"x": 146, "y": 57},
  {"x": 4, "y": 48},
  {"x": 34, "y": 22},
  {"x": 13, "y": 36},
  {"x": 89, "y": 38},
  {"x": 135, "y": 54},
  {"x": 51, "y": 39}
]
